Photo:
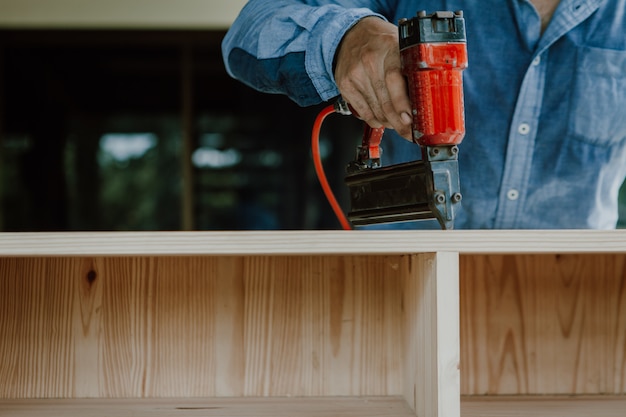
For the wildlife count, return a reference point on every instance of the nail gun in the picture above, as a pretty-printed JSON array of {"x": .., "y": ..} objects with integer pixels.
[{"x": 433, "y": 55}]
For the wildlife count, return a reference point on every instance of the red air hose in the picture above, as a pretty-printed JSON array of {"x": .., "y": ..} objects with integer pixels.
[{"x": 319, "y": 169}]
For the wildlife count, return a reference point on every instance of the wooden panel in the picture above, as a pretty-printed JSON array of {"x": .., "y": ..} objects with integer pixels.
[
  {"x": 543, "y": 324},
  {"x": 37, "y": 325},
  {"x": 200, "y": 326},
  {"x": 225, "y": 407},
  {"x": 431, "y": 361},
  {"x": 599, "y": 406},
  {"x": 303, "y": 242}
]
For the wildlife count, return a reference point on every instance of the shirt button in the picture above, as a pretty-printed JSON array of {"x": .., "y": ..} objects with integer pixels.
[
  {"x": 512, "y": 194},
  {"x": 523, "y": 128},
  {"x": 537, "y": 60}
]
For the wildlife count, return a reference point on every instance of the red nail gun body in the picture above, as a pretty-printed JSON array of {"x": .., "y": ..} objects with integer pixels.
[{"x": 434, "y": 54}]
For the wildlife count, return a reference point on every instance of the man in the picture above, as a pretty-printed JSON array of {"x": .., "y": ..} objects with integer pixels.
[{"x": 545, "y": 94}]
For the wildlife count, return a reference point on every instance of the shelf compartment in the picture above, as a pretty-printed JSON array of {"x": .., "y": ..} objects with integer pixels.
[{"x": 232, "y": 326}]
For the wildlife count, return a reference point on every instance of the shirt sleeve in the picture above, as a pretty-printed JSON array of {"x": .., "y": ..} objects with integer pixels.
[{"x": 288, "y": 46}]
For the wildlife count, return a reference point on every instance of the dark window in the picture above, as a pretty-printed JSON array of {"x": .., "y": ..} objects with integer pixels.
[{"x": 136, "y": 130}]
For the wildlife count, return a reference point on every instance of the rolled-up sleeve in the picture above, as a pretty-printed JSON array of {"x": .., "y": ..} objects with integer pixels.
[{"x": 287, "y": 46}]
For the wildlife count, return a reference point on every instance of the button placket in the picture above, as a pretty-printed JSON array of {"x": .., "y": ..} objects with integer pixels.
[{"x": 521, "y": 145}]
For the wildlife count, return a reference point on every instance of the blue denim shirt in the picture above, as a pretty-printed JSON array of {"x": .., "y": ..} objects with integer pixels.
[{"x": 545, "y": 113}]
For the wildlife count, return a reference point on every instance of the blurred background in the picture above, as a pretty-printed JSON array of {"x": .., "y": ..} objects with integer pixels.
[{"x": 119, "y": 115}]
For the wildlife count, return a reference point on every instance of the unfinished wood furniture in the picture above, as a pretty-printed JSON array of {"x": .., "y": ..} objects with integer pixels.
[{"x": 313, "y": 324}]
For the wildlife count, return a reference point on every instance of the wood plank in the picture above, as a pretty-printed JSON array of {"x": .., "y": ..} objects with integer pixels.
[
  {"x": 431, "y": 353},
  {"x": 543, "y": 324},
  {"x": 225, "y": 407},
  {"x": 600, "y": 406},
  {"x": 311, "y": 242},
  {"x": 201, "y": 326},
  {"x": 596, "y": 406}
]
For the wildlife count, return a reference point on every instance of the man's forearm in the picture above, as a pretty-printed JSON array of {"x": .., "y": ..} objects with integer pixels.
[{"x": 288, "y": 46}]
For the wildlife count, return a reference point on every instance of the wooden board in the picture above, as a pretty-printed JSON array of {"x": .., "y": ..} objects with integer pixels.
[
  {"x": 597, "y": 406},
  {"x": 311, "y": 407},
  {"x": 543, "y": 324},
  {"x": 311, "y": 242},
  {"x": 201, "y": 326},
  {"x": 225, "y": 407},
  {"x": 431, "y": 335}
]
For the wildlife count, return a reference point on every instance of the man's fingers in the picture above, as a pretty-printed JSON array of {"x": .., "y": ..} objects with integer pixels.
[
  {"x": 358, "y": 93},
  {"x": 388, "y": 100},
  {"x": 377, "y": 108},
  {"x": 390, "y": 104},
  {"x": 360, "y": 108},
  {"x": 401, "y": 105},
  {"x": 369, "y": 77},
  {"x": 384, "y": 103}
]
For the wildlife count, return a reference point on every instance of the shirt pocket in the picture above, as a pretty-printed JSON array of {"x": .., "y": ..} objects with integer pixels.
[{"x": 598, "y": 106}]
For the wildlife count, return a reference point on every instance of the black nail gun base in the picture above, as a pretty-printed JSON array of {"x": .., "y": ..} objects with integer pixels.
[{"x": 420, "y": 190}]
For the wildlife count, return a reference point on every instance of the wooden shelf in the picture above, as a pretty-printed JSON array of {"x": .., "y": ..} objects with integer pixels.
[
  {"x": 598, "y": 406},
  {"x": 313, "y": 324}
]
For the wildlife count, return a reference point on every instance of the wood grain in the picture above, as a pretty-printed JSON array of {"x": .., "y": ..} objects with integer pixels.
[
  {"x": 80, "y": 326},
  {"x": 543, "y": 324},
  {"x": 214, "y": 407},
  {"x": 200, "y": 326},
  {"x": 601, "y": 406},
  {"x": 544, "y": 406},
  {"x": 431, "y": 353},
  {"x": 399, "y": 242}
]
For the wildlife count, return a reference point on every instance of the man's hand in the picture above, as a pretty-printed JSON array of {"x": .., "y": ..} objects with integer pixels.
[{"x": 368, "y": 74}]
